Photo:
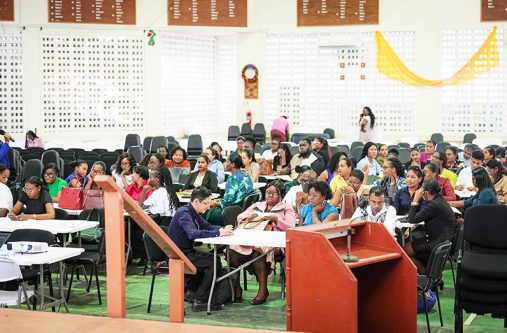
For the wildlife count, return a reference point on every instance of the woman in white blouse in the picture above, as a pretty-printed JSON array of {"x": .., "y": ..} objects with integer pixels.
[{"x": 122, "y": 170}]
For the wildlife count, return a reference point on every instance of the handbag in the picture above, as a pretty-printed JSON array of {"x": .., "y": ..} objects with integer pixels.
[
  {"x": 348, "y": 205},
  {"x": 93, "y": 199},
  {"x": 71, "y": 198},
  {"x": 259, "y": 223}
]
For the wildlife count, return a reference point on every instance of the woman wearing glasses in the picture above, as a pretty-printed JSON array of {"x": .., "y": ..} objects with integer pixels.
[
  {"x": 37, "y": 202},
  {"x": 153, "y": 161},
  {"x": 283, "y": 217},
  {"x": 98, "y": 169},
  {"x": 53, "y": 183}
]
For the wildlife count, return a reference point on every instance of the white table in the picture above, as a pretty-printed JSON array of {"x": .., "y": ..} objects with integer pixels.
[
  {"x": 53, "y": 255},
  {"x": 256, "y": 238},
  {"x": 72, "y": 212},
  {"x": 256, "y": 186},
  {"x": 285, "y": 178},
  {"x": 465, "y": 193}
]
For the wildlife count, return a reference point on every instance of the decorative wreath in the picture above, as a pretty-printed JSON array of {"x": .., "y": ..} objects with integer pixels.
[{"x": 247, "y": 67}]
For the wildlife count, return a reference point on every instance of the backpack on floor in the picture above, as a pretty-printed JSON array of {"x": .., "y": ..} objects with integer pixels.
[{"x": 222, "y": 293}]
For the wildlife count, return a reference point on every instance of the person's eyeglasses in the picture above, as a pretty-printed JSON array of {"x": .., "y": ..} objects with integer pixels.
[
  {"x": 50, "y": 175},
  {"x": 152, "y": 163},
  {"x": 305, "y": 181},
  {"x": 29, "y": 190},
  {"x": 271, "y": 194}
]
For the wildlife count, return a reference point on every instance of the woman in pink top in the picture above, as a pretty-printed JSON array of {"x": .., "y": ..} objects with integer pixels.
[
  {"x": 33, "y": 141},
  {"x": 280, "y": 128},
  {"x": 283, "y": 217}
]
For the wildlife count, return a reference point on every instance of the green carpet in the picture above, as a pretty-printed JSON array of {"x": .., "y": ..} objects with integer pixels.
[{"x": 270, "y": 315}]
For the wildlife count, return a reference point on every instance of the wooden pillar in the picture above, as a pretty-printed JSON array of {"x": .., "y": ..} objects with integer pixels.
[{"x": 176, "y": 290}]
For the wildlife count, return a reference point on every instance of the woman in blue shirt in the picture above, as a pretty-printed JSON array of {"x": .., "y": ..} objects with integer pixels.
[
  {"x": 319, "y": 210},
  {"x": 403, "y": 198},
  {"x": 486, "y": 192}
]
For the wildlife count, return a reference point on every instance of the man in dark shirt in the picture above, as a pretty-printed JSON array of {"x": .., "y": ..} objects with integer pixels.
[{"x": 188, "y": 225}]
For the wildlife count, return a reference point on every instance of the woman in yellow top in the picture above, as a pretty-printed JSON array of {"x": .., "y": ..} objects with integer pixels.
[
  {"x": 332, "y": 167},
  {"x": 499, "y": 178},
  {"x": 344, "y": 170}
]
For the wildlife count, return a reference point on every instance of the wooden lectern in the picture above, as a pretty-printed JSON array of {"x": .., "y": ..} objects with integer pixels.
[{"x": 324, "y": 294}]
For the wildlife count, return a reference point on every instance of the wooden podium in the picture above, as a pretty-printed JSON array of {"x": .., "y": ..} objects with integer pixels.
[{"x": 324, "y": 294}]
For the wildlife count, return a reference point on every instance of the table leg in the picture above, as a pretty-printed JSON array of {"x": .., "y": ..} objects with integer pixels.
[
  {"x": 228, "y": 268},
  {"x": 41, "y": 287},
  {"x": 64, "y": 240},
  {"x": 214, "y": 277},
  {"x": 60, "y": 286}
]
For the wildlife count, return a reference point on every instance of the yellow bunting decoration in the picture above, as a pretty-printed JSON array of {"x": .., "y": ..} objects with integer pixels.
[{"x": 389, "y": 64}]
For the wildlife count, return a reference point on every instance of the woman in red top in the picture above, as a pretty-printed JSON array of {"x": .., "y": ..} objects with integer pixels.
[
  {"x": 138, "y": 189},
  {"x": 432, "y": 171},
  {"x": 178, "y": 159}
]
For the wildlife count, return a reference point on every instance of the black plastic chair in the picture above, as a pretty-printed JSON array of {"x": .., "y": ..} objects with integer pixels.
[
  {"x": 356, "y": 144},
  {"x": 230, "y": 215},
  {"x": 233, "y": 133},
  {"x": 132, "y": 140},
  {"x": 469, "y": 138},
  {"x": 456, "y": 251},
  {"x": 76, "y": 150},
  {"x": 330, "y": 132},
  {"x": 442, "y": 146},
  {"x": 404, "y": 155},
  {"x": 100, "y": 150},
  {"x": 158, "y": 141},
  {"x": 138, "y": 152},
  {"x": 482, "y": 273},
  {"x": 437, "y": 137},
  {"x": 420, "y": 146},
  {"x": 109, "y": 158},
  {"x": 259, "y": 132},
  {"x": 155, "y": 255},
  {"x": 171, "y": 138},
  {"x": 147, "y": 143},
  {"x": 433, "y": 278},
  {"x": 194, "y": 145},
  {"x": 356, "y": 152},
  {"x": 32, "y": 168},
  {"x": 251, "y": 199},
  {"x": 404, "y": 145},
  {"x": 61, "y": 214},
  {"x": 246, "y": 129},
  {"x": 344, "y": 148}
]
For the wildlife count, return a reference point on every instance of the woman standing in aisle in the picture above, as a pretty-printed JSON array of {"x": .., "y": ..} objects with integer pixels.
[{"x": 366, "y": 122}]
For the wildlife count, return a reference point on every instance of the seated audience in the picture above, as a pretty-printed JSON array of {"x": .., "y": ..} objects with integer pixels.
[
  {"x": 332, "y": 167},
  {"x": 283, "y": 218},
  {"x": 153, "y": 161},
  {"x": 250, "y": 167},
  {"x": 218, "y": 149},
  {"x": 393, "y": 179},
  {"x": 52, "y": 182},
  {"x": 249, "y": 144},
  {"x": 214, "y": 165},
  {"x": 383, "y": 151},
  {"x": 202, "y": 177},
  {"x": 452, "y": 164},
  {"x": 428, "y": 151},
  {"x": 344, "y": 171},
  {"x": 464, "y": 181},
  {"x": 466, "y": 155},
  {"x": 306, "y": 157},
  {"x": 297, "y": 196},
  {"x": 163, "y": 201},
  {"x": 403, "y": 198},
  {"x": 186, "y": 226},
  {"x": 270, "y": 154},
  {"x": 499, "y": 178},
  {"x": 319, "y": 210},
  {"x": 178, "y": 159},
  {"x": 138, "y": 190},
  {"x": 431, "y": 171},
  {"x": 368, "y": 162},
  {"x": 415, "y": 159},
  {"x": 122, "y": 170},
  {"x": 36, "y": 200},
  {"x": 98, "y": 169},
  {"x": 240, "y": 141},
  {"x": 485, "y": 191},
  {"x": 33, "y": 141},
  {"x": 439, "y": 223},
  {"x": 355, "y": 184},
  {"x": 321, "y": 147},
  {"x": 377, "y": 210},
  {"x": 162, "y": 151},
  {"x": 6, "y": 200},
  {"x": 440, "y": 160},
  {"x": 489, "y": 154},
  {"x": 77, "y": 178},
  {"x": 281, "y": 162}
]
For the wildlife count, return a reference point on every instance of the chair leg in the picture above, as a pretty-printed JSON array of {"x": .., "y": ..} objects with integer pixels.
[
  {"x": 50, "y": 285},
  {"x": 439, "y": 310},
  {"x": 145, "y": 268},
  {"x": 458, "y": 320},
  {"x": 453, "y": 276},
  {"x": 90, "y": 279},
  {"x": 70, "y": 282},
  {"x": 426, "y": 312},
  {"x": 98, "y": 284},
  {"x": 35, "y": 288},
  {"x": 244, "y": 280},
  {"x": 151, "y": 290}
]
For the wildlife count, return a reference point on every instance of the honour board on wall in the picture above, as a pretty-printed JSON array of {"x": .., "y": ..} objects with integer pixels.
[
  {"x": 6, "y": 10},
  {"x": 493, "y": 10},
  {"x": 92, "y": 11},
  {"x": 220, "y": 13},
  {"x": 337, "y": 12}
]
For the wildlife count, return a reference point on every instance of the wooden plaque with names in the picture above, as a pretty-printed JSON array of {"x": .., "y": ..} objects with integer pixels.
[
  {"x": 219, "y": 13},
  {"x": 337, "y": 12},
  {"x": 92, "y": 11},
  {"x": 6, "y": 10},
  {"x": 493, "y": 10}
]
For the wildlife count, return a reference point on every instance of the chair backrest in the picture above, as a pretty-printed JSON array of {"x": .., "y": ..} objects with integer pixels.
[
  {"x": 61, "y": 214},
  {"x": 9, "y": 270},
  {"x": 485, "y": 226},
  {"x": 294, "y": 150},
  {"x": 32, "y": 235},
  {"x": 17, "y": 163},
  {"x": 90, "y": 155},
  {"x": 100, "y": 150},
  {"x": 251, "y": 199},
  {"x": 109, "y": 159},
  {"x": 179, "y": 174},
  {"x": 94, "y": 214},
  {"x": 246, "y": 129},
  {"x": 138, "y": 152},
  {"x": 356, "y": 152},
  {"x": 158, "y": 141},
  {"x": 400, "y": 237},
  {"x": 233, "y": 133},
  {"x": 147, "y": 143},
  {"x": 404, "y": 144},
  {"x": 67, "y": 155},
  {"x": 393, "y": 147},
  {"x": 437, "y": 260},
  {"x": 404, "y": 155},
  {"x": 442, "y": 146},
  {"x": 194, "y": 145},
  {"x": 32, "y": 168},
  {"x": 437, "y": 137},
  {"x": 171, "y": 146},
  {"x": 469, "y": 137},
  {"x": 421, "y": 146},
  {"x": 153, "y": 251},
  {"x": 330, "y": 132},
  {"x": 76, "y": 150},
  {"x": 344, "y": 148},
  {"x": 230, "y": 214},
  {"x": 171, "y": 138},
  {"x": 259, "y": 132},
  {"x": 356, "y": 144},
  {"x": 132, "y": 140}
]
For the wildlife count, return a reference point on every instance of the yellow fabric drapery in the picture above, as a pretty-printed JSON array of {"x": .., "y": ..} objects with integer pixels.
[{"x": 389, "y": 64}]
